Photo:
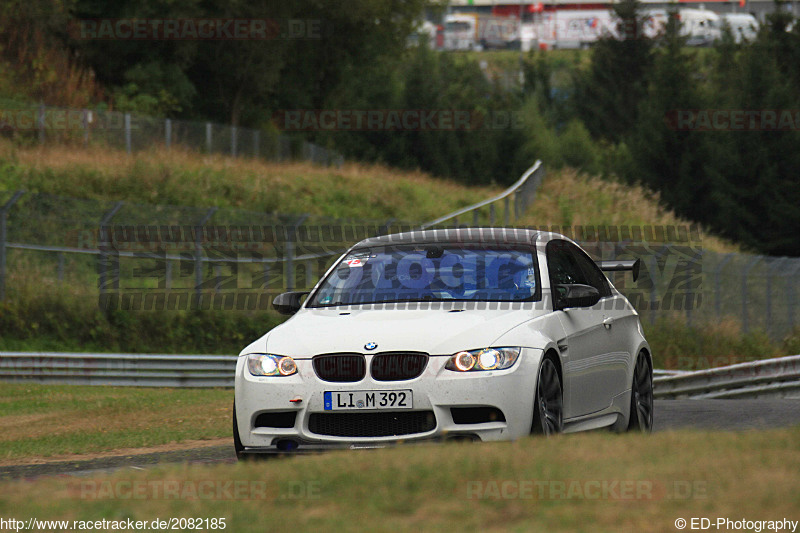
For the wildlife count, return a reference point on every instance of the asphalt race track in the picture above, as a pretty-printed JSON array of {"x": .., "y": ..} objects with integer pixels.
[{"x": 722, "y": 415}]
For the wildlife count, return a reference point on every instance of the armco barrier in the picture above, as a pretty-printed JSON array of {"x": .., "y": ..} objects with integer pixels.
[
  {"x": 141, "y": 370},
  {"x": 769, "y": 378}
]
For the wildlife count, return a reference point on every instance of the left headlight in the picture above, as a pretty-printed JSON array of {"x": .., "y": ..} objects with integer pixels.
[
  {"x": 486, "y": 359},
  {"x": 265, "y": 364}
]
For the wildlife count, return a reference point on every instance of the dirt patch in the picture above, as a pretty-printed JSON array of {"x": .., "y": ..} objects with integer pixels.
[
  {"x": 123, "y": 452},
  {"x": 210, "y": 451}
]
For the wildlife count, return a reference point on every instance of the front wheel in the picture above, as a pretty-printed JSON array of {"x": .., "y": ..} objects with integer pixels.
[
  {"x": 548, "y": 410},
  {"x": 641, "y": 415}
]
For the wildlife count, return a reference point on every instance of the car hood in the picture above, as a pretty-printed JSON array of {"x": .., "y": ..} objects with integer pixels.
[{"x": 437, "y": 332}]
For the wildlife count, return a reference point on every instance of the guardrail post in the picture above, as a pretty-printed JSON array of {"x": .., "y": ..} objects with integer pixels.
[
  {"x": 167, "y": 275},
  {"x": 265, "y": 284},
  {"x": 771, "y": 267},
  {"x": 653, "y": 289},
  {"x": 491, "y": 214},
  {"x": 256, "y": 142},
  {"x": 208, "y": 137},
  {"x": 85, "y": 116},
  {"x": 104, "y": 242},
  {"x": 745, "y": 273},
  {"x": 168, "y": 133},
  {"x": 3, "y": 236},
  {"x": 475, "y": 218},
  {"x": 217, "y": 277},
  {"x": 198, "y": 255},
  {"x": 384, "y": 229},
  {"x": 506, "y": 203},
  {"x": 291, "y": 237},
  {"x": 60, "y": 269},
  {"x": 717, "y": 290},
  {"x": 40, "y": 122},
  {"x": 694, "y": 298},
  {"x": 792, "y": 292},
  {"x": 309, "y": 274},
  {"x": 128, "y": 132}
]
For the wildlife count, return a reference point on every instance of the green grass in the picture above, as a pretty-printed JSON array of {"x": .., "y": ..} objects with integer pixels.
[
  {"x": 649, "y": 481},
  {"x": 708, "y": 345},
  {"x": 51, "y": 420},
  {"x": 43, "y": 313}
]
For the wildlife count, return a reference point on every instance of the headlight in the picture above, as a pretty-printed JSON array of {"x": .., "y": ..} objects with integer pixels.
[
  {"x": 486, "y": 359},
  {"x": 264, "y": 364}
]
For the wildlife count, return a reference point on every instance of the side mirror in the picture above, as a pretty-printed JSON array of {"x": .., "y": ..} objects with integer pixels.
[
  {"x": 576, "y": 295},
  {"x": 288, "y": 303}
]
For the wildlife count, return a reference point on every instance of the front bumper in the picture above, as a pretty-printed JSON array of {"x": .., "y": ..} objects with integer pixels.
[{"x": 436, "y": 393}]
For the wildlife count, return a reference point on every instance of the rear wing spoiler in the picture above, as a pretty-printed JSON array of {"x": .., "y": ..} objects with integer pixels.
[{"x": 621, "y": 266}]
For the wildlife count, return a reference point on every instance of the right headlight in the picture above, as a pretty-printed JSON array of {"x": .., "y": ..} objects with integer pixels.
[
  {"x": 265, "y": 364},
  {"x": 485, "y": 359}
]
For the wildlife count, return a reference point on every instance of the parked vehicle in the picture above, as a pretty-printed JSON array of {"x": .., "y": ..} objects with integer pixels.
[
  {"x": 744, "y": 26},
  {"x": 701, "y": 27},
  {"x": 574, "y": 28},
  {"x": 474, "y": 31}
]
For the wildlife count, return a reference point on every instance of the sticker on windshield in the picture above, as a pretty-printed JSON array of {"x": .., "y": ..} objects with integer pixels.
[{"x": 354, "y": 262}]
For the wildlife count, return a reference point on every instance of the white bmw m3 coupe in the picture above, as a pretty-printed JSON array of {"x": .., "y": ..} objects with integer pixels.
[{"x": 477, "y": 334}]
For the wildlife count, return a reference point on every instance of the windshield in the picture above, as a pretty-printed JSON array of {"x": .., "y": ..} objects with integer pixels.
[{"x": 429, "y": 273}]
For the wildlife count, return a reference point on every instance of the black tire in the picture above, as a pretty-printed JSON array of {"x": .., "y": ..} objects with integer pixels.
[
  {"x": 641, "y": 412},
  {"x": 548, "y": 411},
  {"x": 237, "y": 441}
]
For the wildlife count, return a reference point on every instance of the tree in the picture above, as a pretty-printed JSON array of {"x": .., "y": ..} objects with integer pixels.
[{"x": 607, "y": 97}]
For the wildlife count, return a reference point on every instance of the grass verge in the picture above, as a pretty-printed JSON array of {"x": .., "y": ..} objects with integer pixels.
[
  {"x": 42, "y": 312},
  {"x": 580, "y": 483},
  {"x": 39, "y": 421}
]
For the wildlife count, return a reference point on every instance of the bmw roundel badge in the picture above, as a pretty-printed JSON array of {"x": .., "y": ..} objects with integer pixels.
[{"x": 370, "y": 346}]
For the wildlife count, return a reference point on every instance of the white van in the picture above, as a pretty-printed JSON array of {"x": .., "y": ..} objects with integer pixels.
[
  {"x": 701, "y": 26},
  {"x": 744, "y": 26},
  {"x": 474, "y": 31}
]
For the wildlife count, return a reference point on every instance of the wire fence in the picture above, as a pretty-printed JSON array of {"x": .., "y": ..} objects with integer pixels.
[
  {"x": 134, "y": 133},
  {"x": 138, "y": 257}
]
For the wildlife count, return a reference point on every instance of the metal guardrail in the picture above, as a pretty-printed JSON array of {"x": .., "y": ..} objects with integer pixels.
[
  {"x": 139, "y": 370},
  {"x": 768, "y": 378},
  {"x": 523, "y": 191}
]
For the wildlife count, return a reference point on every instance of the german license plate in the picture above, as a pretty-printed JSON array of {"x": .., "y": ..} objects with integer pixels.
[{"x": 368, "y": 399}]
